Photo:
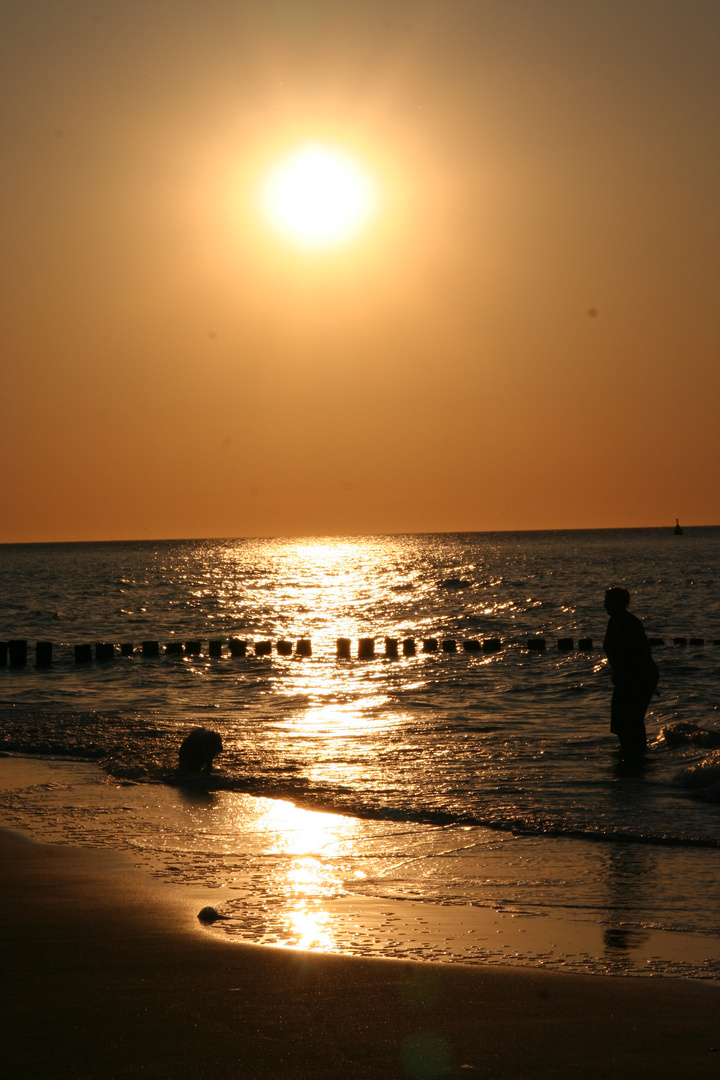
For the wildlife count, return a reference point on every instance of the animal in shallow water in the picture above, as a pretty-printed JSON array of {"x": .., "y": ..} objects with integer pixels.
[{"x": 198, "y": 750}]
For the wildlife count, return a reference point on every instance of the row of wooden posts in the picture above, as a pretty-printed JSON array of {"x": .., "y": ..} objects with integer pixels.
[{"x": 15, "y": 652}]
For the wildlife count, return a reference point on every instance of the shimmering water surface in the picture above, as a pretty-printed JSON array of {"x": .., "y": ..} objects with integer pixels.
[{"x": 442, "y": 805}]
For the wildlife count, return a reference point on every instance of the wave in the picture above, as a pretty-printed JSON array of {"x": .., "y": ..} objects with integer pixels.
[
  {"x": 453, "y": 583},
  {"x": 703, "y": 778},
  {"x": 528, "y": 791},
  {"x": 346, "y": 802},
  {"x": 684, "y": 732}
]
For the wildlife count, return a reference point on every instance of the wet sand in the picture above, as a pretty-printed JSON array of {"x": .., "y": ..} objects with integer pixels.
[{"x": 106, "y": 973}]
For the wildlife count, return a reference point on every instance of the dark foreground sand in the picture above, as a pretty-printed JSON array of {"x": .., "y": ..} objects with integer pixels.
[{"x": 105, "y": 974}]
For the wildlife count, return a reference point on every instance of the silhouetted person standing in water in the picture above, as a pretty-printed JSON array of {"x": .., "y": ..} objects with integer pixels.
[{"x": 634, "y": 672}]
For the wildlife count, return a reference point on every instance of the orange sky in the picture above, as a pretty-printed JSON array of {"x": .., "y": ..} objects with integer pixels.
[{"x": 525, "y": 337}]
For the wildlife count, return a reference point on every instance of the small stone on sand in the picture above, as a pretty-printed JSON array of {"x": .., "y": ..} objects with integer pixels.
[{"x": 210, "y": 915}]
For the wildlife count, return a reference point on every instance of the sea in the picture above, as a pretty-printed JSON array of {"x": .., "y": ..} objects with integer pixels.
[{"x": 462, "y": 803}]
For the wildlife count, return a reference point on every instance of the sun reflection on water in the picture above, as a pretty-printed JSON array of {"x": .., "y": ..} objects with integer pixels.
[
  {"x": 330, "y": 724},
  {"x": 334, "y": 719},
  {"x": 322, "y": 589},
  {"x": 305, "y": 852}
]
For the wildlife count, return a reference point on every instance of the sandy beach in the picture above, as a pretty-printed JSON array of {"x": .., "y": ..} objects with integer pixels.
[{"x": 107, "y": 973}]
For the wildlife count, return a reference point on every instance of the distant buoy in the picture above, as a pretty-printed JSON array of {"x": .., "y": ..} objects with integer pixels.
[{"x": 677, "y": 530}]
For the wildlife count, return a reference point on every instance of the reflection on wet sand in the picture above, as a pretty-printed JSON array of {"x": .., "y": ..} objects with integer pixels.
[
  {"x": 302, "y": 848},
  {"x": 628, "y": 878},
  {"x": 299, "y": 878}
]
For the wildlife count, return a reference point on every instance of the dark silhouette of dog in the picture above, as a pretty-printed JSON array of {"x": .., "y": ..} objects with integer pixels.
[{"x": 198, "y": 750}]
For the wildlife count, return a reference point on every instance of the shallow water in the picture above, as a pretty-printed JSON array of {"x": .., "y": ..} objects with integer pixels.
[{"x": 469, "y": 782}]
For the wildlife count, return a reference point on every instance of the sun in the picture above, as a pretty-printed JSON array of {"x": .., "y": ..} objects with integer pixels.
[{"x": 318, "y": 197}]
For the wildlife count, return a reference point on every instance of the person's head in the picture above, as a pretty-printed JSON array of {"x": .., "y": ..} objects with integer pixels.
[{"x": 617, "y": 600}]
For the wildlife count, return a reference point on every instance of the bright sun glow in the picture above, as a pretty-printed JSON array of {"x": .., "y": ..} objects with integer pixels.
[{"x": 318, "y": 197}]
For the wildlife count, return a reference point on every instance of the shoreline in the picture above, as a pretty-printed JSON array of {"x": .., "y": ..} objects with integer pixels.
[
  {"x": 297, "y": 878},
  {"x": 107, "y": 973}
]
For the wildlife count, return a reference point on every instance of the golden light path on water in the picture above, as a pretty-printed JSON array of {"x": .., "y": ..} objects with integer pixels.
[
  {"x": 325, "y": 588},
  {"x": 342, "y": 721},
  {"x": 306, "y": 850},
  {"x": 332, "y": 589},
  {"x": 309, "y": 854}
]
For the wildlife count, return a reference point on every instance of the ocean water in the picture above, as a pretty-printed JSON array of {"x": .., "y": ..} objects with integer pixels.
[{"x": 450, "y": 806}]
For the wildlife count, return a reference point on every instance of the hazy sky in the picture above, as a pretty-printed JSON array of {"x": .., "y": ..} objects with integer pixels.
[{"x": 526, "y": 335}]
